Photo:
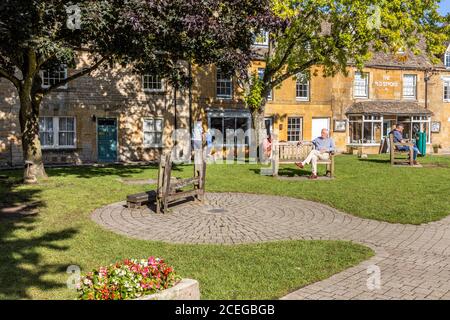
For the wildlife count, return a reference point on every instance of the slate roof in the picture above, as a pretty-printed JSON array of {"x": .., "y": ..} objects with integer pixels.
[{"x": 388, "y": 108}]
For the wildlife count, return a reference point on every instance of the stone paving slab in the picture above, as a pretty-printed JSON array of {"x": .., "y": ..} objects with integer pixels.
[{"x": 413, "y": 261}]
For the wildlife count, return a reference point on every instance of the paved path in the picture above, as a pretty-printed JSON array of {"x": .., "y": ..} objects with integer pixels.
[{"x": 414, "y": 261}]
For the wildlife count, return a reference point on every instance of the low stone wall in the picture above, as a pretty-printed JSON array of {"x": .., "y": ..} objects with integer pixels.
[{"x": 186, "y": 289}]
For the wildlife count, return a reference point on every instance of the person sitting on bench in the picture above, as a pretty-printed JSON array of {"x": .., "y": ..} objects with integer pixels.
[
  {"x": 398, "y": 138},
  {"x": 324, "y": 145}
]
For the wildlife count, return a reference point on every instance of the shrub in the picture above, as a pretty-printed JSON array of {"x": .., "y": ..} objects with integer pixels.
[{"x": 129, "y": 279}]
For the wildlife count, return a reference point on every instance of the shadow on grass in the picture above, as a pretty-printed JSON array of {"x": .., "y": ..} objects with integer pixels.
[
  {"x": 287, "y": 172},
  {"x": 384, "y": 161},
  {"x": 21, "y": 262},
  {"x": 95, "y": 171}
]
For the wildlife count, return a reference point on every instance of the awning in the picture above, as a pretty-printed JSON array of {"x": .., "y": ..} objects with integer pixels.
[{"x": 401, "y": 108}]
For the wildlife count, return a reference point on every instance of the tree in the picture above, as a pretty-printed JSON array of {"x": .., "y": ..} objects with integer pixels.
[
  {"x": 334, "y": 34},
  {"x": 153, "y": 35}
]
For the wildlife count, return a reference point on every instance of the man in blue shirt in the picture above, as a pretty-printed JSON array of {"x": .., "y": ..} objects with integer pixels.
[
  {"x": 323, "y": 146},
  {"x": 398, "y": 138}
]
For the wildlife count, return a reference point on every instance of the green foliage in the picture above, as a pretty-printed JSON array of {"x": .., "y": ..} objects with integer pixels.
[
  {"x": 254, "y": 97},
  {"x": 338, "y": 33}
]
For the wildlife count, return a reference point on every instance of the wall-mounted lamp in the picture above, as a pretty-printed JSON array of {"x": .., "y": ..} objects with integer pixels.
[
  {"x": 94, "y": 118},
  {"x": 280, "y": 126}
]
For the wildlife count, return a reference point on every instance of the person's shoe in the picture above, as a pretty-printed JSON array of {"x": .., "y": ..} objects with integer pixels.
[
  {"x": 300, "y": 165},
  {"x": 313, "y": 177},
  {"x": 415, "y": 163}
]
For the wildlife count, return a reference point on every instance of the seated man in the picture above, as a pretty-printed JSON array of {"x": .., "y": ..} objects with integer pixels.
[
  {"x": 398, "y": 138},
  {"x": 324, "y": 145}
]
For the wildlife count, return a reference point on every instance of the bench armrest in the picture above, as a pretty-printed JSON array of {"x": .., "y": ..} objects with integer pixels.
[{"x": 406, "y": 144}]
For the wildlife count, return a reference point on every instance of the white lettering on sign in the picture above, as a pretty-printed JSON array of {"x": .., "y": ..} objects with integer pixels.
[{"x": 386, "y": 82}]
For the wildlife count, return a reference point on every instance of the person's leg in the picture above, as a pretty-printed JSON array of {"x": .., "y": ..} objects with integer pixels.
[
  {"x": 314, "y": 159},
  {"x": 416, "y": 152},
  {"x": 321, "y": 156},
  {"x": 311, "y": 155}
]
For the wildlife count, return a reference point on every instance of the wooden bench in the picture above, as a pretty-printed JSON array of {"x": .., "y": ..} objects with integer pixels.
[
  {"x": 170, "y": 190},
  {"x": 288, "y": 153},
  {"x": 393, "y": 151},
  {"x": 139, "y": 199}
]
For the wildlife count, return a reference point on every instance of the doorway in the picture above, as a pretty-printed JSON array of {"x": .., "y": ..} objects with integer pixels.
[
  {"x": 107, "y": 140},
  {"x": 317, "y": 125}
]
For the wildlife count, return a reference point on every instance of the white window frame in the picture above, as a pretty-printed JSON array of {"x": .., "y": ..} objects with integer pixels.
[
  {"x": 377, "y": 119},
  {"x": 414, "y": 87},
  {"x": 144, "y": 76},
  {"x": 446, "y": 83},
  {"x": 264, "y": 35},
  {"x": 223, "y": 81},
  {"x": 56, "y": 134},
  {"x": 308, "y": 87},
  {"x": 447, "y": 59},
  {"x": 366, "y": 84},
  {"x": 46, "y": 86},
  {"x": 155, "y": 145},
  {"x": 300, "y": 130}
]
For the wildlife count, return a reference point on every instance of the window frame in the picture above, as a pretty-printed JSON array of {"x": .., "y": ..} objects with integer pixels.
[
  {"x": 155, "y": 145},
  {"x": 56, "y": 131},
  {"x": 447, "y": 59},
  {"x": 162, "y": 89},
  {"x": 46, "y": 86},
  {"x": 225, "y": 81},
  {"x": 366, "y": 85},
  {"x": 407, "y": 97},
  {"x": 363, "y": 119},
  {"x": 308, "y": 87},
  {"x": 446, "y": 83},
  {"x": 231, "y": 114},
  {"x": 263, "y": 34},
  {"x": 300, "y": 131}
]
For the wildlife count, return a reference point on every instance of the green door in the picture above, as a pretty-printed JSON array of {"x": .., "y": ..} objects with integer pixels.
[{"x": 107, "y": 140}]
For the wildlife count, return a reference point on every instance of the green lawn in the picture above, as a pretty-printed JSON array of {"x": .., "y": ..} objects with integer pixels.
[{"x": 35, "y": 251}]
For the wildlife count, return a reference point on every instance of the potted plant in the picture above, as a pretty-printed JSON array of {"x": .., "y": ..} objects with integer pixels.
[
  {"x": 149, "y": 279},
  {"x": 436, "y": 147}
]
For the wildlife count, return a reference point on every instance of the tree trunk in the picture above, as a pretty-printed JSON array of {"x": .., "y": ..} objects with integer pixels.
[{"x": 31, "y": 145}]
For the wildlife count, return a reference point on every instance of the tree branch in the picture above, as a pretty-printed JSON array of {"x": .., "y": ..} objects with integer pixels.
[
  {"x": 85, "y": 71},
  {"x": 295, "y": 71},
  {"x": 15, "y": 81}
]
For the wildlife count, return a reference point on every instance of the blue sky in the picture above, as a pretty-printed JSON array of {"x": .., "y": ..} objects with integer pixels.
[{"x": 445, "y": 6}]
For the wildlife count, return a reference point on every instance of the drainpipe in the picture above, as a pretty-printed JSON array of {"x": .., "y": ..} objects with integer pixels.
[
  {"x": 190, "y": 96},
  {"x": 427, "y": 79}
]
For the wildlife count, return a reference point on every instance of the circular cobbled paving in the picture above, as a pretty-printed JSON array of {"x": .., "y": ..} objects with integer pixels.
[{"x": 413, "y": 261}]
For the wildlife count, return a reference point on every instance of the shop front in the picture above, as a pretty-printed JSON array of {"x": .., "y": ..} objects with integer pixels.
[{"x": 371, "y": 122}]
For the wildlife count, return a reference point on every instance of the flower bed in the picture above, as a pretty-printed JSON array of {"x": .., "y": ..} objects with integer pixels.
[{"x": 129, "y": 279}]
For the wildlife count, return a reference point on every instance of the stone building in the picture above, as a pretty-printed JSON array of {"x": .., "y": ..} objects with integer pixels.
[{"x": 119, "y": 116}]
